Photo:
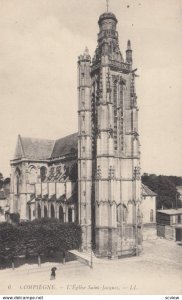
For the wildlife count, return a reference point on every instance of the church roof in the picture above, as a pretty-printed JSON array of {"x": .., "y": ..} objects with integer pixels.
[
  {"x": 146, "y": 191},
  {"x": 39, "y": 149},
  {"x": 65, "y": 145},
  {"x": 33, "y": 148}
]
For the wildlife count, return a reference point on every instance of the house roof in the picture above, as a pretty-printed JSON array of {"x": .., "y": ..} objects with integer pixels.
[
  {"x": 146, "y": 191},
  {"x": 65, "y": 145},
  {"x": 171, "y": 211},
  {"x": 38, "y": 149}
]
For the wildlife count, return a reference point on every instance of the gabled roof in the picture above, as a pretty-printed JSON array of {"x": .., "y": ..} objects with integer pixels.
[
  {"x": 65, "y": 145},
  {"x": 146, "y": 191},
  {"x": 40, "y": 149},
  {"x": 33, "y": 148}
]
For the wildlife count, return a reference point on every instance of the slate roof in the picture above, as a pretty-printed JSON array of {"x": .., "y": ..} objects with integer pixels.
[
  {"x": 36, "y": 148},
  {"x": 65, "y": 145},
  {"x": 146, "y": 191},
  {"x": 40, "y": 149},
  {"x": 170, "y": 211}
]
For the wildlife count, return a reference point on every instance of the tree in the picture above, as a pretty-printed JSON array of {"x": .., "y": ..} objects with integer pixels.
[
  {"x": 164, "y": 187},
  {"x": 38, "y": 237}
]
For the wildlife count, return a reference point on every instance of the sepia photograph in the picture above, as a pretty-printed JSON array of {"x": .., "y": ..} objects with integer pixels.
[{"x": 91, "y": 147}]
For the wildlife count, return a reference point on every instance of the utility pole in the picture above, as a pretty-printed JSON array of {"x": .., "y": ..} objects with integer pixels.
[{"x": 91, "y": 257}]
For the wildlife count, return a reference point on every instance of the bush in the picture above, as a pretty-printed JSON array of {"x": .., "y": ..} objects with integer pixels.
[
  {"x": 165, "y": 188},
  {"x": 38, "y": 237}
]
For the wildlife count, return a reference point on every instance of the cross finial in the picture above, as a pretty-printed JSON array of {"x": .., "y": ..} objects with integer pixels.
[{"x": 107, "y": 5}]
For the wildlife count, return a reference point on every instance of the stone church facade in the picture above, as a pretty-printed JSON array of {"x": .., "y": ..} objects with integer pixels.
[{"x": 91, "y": 177}]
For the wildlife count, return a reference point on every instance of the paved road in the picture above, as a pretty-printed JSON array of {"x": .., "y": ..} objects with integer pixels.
[{"x": 157, "y": 271}]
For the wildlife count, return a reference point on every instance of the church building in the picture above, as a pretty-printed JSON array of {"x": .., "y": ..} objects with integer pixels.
[{"x": 91, "y": 177}]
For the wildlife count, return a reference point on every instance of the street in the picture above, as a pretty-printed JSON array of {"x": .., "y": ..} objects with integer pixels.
[{"x": 158, "y": 270}]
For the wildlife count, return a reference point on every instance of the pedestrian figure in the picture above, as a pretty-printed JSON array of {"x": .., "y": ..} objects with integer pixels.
[
  {"x": 53, "y": 273},
  {"x": 64, "y": 257}
]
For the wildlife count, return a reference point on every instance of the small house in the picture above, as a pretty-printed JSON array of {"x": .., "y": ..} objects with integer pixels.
[{"x": 169, "y": 224}]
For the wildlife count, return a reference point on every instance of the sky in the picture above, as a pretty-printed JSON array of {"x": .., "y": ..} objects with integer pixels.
[{"x": 40, "y": 43}]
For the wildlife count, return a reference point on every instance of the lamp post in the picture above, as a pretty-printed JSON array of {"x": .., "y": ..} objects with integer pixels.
[
  {"x": 91, "y": 254},
  {"x": 136, "y": 229},
  {"x": 91, "y": 259}
]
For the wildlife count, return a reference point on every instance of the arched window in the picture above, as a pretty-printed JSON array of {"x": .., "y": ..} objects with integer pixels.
[
  {"x": 124, "y": 213},
  {"x": 118, "y": 213},
  {"x": 69, "y": 214},
  {"x": 121, "y": 213},
  {"x": 43, "y": 173},
  {"x": 32, "y": 175},
  {"x": 115, "y": 100},
  {"x": 45, "y": 211},
  {"x": 29, "y": 212},
  {"x": 39, "y": 211},
  {"x": 97, "y": 214},
  {"x": 130, "y": 213},
  {"x": 61, "y": 214},
  {"x": 105, "y": 215},
  {"x": 151, "y": 215},
  {"x": 113, "y": 215},
  {"x": 139, "y": 215},
  {"x": 52, "y": 211}
]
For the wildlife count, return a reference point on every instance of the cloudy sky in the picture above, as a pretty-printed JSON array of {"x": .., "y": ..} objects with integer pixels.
[{"x": 40, "y": 42}]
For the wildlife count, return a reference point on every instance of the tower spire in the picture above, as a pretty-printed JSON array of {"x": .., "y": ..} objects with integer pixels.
[
  {"x": 107, "y": 5},
  {"x": 129, "y": 53}
]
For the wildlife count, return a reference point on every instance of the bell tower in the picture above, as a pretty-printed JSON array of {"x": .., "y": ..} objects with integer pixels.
[
  {"x": 108, "y": 147},
  {"x": 115, "y": 151}
]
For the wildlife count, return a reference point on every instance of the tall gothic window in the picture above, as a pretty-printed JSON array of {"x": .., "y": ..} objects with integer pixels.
[
  {"x": 82, "y": 78},
  {"x": 121, "y": 117},
  {"x": 124, "y": 213},
  {"x": 39, "y": 211},
  {"x": 29, "y": 212},
  {"x": 121, "y": 213},
  {"x": 52, "y": 211},
  {"x": 151, "y": 215},
  {"x": 43, "y": 173},
  {"x": 70, "y": 214},
  {"x": 83, "y": 97},
  {"x": 118, "y": 213},
  {"x": 45, "y": 212},
  {"x": 115, "y": 113},
  {"x": 33, "y": 175},
  {"x": 61, "y": 214},
  {"x": 130, "y": 213}
]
